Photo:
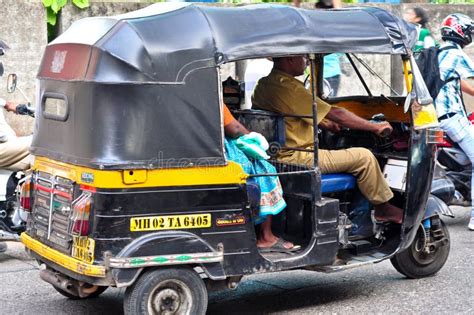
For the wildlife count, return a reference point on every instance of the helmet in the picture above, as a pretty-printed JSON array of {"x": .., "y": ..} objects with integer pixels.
[{"x": 457, "y": 28}]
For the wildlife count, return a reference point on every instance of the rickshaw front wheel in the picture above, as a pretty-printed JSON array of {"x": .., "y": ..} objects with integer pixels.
[
  {"x": 415, "y": 262},
  {"x": 167, "y": 291}
]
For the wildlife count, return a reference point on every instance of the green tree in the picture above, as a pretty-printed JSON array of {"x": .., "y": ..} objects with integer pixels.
[{"x": 53, "y": 10}]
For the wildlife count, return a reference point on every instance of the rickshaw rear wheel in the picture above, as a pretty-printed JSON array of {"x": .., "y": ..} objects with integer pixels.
[
  {"x": 94, "y": 294},
  {"x": 166, "y": 291},
  {"x": 415, "y": 263}
]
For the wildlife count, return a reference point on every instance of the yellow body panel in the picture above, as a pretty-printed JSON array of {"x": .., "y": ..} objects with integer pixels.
[
  {"x": 62, "y": 259},
  {"x": 423, "y": 116},
  {"x": 407, "y": 74},
  {"x": 232, "y": 173}
]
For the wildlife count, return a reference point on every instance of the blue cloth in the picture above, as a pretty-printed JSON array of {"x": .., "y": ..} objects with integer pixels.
[
  {"x": 332, "y": 67},
  {"x": 454, "y": 64},
  {"x": 271, "y": 201}
]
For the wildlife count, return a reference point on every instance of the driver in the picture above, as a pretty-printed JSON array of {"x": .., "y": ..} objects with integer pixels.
[{"x": 281, "y": 92}]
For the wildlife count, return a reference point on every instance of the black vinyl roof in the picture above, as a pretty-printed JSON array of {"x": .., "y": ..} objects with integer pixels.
[{"x": 163, "y": 43}]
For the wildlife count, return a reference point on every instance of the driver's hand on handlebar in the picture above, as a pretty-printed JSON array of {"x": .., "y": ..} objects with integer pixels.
[
  {"x": 383, "y": 129},
  {"x": 11, "y": 106}
]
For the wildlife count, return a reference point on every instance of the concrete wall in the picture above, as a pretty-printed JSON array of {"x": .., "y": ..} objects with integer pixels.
[{"x": 23, "y": 28}]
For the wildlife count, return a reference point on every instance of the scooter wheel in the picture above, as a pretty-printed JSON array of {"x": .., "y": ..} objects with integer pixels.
[{"x": 415, "y": 263}]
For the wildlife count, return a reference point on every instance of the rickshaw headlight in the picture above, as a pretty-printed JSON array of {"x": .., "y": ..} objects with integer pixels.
[{"x": 80, "y": 216}]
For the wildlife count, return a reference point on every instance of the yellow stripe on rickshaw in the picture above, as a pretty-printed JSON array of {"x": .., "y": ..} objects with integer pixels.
[
  {"x": 232, "y": 173},
  {"x": 62, "y": 259}
]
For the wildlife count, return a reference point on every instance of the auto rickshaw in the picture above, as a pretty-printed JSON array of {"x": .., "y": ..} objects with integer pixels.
[{"x": 131, "y": 187}]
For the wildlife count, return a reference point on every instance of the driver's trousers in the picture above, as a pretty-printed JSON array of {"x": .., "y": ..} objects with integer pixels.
[
  {"x": 14, "y": 153},
  {"x": 359, "y": 162}
]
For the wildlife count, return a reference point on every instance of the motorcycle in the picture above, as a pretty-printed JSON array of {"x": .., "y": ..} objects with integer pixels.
[
  {"x": 454, "y": 166},
  {"x": 12, "y": 217}
]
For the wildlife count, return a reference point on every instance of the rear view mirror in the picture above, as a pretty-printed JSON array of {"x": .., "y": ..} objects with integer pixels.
[
  {"x": 407, "y": 104},
  {"x": 11, "y": 83}
]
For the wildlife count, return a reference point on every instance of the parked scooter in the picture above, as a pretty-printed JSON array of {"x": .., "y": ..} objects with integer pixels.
[
  {"x": 455, "y": 166},
  {"x": 12, "y": 218}
]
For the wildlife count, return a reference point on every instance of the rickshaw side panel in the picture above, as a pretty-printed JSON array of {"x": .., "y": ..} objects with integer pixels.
[{"x": 232, "y": 230}]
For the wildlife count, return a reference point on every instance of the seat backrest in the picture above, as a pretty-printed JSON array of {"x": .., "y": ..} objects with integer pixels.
[{"x": 269, "y": 124}]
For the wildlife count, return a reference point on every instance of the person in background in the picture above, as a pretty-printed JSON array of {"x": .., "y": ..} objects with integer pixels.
[
  {"x": 332, "y": 67},
  {"x": 328, "y": 4},
  {"x": 457, "y": 70},
  {"x": 419, "y": 17},
  {"x": 271, "y": 193},
  {"x": 14, "y": 151}
]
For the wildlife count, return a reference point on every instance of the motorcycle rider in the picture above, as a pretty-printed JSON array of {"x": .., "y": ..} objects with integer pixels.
[
  {"x": 457, "y": 70},
  {"x": 14, "y": 150}
]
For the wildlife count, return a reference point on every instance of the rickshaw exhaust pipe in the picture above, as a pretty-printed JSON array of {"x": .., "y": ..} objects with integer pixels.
[
  {"x": 73, "y": 287},
  {"x": 59, "y": 281}
]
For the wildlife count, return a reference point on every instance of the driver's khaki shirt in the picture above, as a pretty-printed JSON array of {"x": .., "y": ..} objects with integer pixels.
[{"x": 282, "y": 93}]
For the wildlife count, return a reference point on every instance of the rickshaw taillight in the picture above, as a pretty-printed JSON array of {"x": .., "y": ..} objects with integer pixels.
[
  {"x": 80, "y": 214},
  {"x": 25, "y": 195},
  {"x": 435, "y": 136}
]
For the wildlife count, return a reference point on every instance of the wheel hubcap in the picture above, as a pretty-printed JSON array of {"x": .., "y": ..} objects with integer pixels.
[
  {"x": 170, "y": 297},
  {"x": 419, "y": 253}
]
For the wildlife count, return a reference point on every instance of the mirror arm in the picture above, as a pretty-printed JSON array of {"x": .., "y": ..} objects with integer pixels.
[{"x": 24, "y": 95}]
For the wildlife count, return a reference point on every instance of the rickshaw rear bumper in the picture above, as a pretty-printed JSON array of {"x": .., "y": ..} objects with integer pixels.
[
  {"x": 66, "y": 265},
  {"x": 117, "y": 271}
]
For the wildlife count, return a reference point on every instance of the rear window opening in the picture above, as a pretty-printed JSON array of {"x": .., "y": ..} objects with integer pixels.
[{"x": 55, "y": 106}]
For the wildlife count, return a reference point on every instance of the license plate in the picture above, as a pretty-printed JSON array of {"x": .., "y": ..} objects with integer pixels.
[
  {"x": 170, "y": 222},
  {"x": 83, "y": 248}
]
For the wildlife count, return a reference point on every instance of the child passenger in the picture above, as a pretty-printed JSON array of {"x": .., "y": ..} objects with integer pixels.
[{"x": 271, "y": 197}]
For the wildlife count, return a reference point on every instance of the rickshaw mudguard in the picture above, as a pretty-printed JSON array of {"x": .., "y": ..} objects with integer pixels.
[
  {"x": 167, "y": 248},
  {"x": 435, "y": 206},
  {"x": 420, "y": 174}
]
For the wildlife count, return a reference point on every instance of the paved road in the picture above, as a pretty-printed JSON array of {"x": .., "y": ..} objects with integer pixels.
[{"x": 371, "y": 289}]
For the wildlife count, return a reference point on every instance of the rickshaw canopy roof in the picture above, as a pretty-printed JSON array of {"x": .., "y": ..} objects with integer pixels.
[
  {"x": 164, "y": 42},
  {"x": 142, "y": 90}
]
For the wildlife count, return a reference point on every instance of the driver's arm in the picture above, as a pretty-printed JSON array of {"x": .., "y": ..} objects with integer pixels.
[
  {"x": 350, "y": 120},
  {"x": 11, "y": 106}
]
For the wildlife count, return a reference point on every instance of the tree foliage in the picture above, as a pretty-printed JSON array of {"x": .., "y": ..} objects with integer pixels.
[{"x": 53, "y": 7}]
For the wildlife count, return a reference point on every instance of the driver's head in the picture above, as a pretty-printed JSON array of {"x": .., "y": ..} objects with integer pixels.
[{"x": 293, "y": 65}]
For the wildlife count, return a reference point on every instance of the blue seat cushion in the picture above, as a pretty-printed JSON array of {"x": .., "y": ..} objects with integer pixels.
[{"x": 331, "y": 183}]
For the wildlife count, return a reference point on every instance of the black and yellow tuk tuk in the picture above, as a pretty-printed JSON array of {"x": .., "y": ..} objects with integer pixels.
[{"x": 131, "y": 186}]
